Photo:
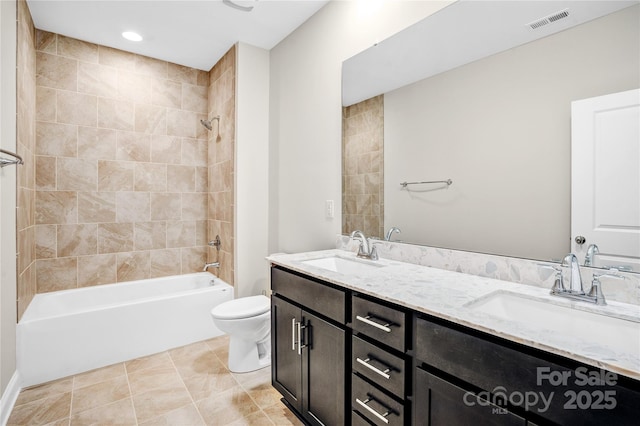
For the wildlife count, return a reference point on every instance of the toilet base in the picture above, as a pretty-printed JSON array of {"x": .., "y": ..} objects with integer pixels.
[{"x": 246, "y": 356}]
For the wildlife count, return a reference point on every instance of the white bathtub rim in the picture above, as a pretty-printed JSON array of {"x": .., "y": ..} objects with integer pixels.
[{"x": 26, "y": 317}]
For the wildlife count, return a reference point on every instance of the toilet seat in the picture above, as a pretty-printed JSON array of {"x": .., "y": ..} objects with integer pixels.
[{"x": 244, "y": 307}]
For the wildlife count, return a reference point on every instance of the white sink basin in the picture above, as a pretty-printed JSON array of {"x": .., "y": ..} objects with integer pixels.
[
  {"x": 618, "y": 334},
  {"x": 342, "y": 265}
]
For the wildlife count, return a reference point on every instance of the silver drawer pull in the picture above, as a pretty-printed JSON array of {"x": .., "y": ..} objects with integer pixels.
[
  {"x": 382, "y": 417},
  {"x": 367, "y": 320},
  {"x": 365, "y": 362},
  {"x": 300, "y": 344},
  {"x": 293, "y": 334}
]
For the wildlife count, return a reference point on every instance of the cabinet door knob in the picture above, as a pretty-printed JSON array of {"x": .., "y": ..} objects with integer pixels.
[
  {"x": 367, "y": 320},
  {"x": 365, "y": 362},
  {"x": 382, "y": 417}
]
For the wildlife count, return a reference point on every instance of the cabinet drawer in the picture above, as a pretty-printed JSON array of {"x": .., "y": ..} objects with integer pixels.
[
  {"x": 438, "y": 402},
  {"x": 381, "y": 322},
  {"x": 374, "y": 405},
  {"x": 319, "y": 297},
  {"x": 379, "y": 366}
]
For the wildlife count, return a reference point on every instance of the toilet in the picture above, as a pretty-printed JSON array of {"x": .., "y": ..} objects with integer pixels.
[{"x": 247, "y": 321}]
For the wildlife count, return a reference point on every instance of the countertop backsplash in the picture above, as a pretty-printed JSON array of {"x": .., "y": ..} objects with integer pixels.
[{"x": 517, "y": 270}]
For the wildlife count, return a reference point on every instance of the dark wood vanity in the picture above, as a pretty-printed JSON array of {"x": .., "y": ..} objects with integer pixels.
[{"x": 340, "y": 357}]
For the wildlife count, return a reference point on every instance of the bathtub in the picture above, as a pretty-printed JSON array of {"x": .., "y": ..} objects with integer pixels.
[{"x": 71, "y": 331}]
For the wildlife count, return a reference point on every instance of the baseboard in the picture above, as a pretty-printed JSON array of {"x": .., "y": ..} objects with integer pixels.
[{"x": 9, "y": 398}]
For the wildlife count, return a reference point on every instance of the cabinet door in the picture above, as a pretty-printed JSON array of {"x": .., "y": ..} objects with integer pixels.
[
  {"x": 323, "y": 366},
  {"x": 438, "y": 402},
  {"x": 286, "y": 364}
]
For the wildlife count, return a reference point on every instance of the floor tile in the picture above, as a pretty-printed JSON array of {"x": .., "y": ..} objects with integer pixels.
[
  {"x": 154, "y": 378},
  {"x": 98, "y": 394},
  {"x": 281, "y": 415},
  {"x": 254, "y": 419},
  {"x": 156, "y": 360},
  {"x": 202, "y": 363},
  {"x": 45, "y": 390},
  {"x": 99, "y": 375},
  {"x": 190, "y": 351},
  {"x": 42, "y": 411},
  {"x": 205, "y": 385},
  {"x": 117, "y": 413},
  {"x": 158, "y": 402},
  {"x": 226, "y": 407},
  {"x": 184, "y": 416}
]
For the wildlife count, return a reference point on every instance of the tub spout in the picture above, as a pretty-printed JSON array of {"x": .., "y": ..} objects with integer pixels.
[{"x": 211, "y": 265}]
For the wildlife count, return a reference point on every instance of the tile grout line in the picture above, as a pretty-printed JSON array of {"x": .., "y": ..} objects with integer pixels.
[
  {"x": 187, "y": 389},
  {"x": 126, "y": 373}
]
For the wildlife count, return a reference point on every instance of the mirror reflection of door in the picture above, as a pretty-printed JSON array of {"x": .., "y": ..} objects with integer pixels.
[{"x": 605, "y": 178}]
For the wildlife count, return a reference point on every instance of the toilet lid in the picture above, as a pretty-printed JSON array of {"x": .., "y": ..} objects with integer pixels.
[{"x": 243, "y": 307}]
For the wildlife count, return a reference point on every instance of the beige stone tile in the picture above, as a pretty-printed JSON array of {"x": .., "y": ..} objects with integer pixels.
[
  {"x": 203, "y": 78},
  {"x": 182, "y": 123},
  {"x": 166, "y": 206},
  {"x": 189, "y": 352},
  {"x": 26, "y": 239},
  {"x": 45, "y": 390},
  {"x": 45, "y": 41},
  {"x": 76, "y": 108},
  {"x": 95, "y": 79},
  {"x": 132, "y": 207},
  {"x": 134, "y": 87},
  {"x": 194, "y": 206},
  {"x": 166, "y": 149},
  {"x": 77, "y": 174},
  {"x": 116, "y": 58},
  {"x": 116, "y": 114},
  {"x": 56, "y": 139},
  {"x": 77, "y": 49},
  {"x": 202, "y": 386},
  {"x": 226, "y": 407},
  {"x": 133, "y": 146},
  {"x": 134, "y": 266},
  {"x": 151, "y": 119},
  {"x": 98, "y": 375},
  {"x": 77, "y": 240},
  {"x": 182, "y": 74},
  {"x": 45, "y": 104},
  {"x": 45, "y": 173},
  {"x": 151, "y": 236},
  {"x": 99, "y": 394},
  {"x": 194, "y": 152},
  {"x": 61, "y": 422},
  {"x": 158, "y": 402},
  {"x": 194, "y": 98},
  {"x": 184, "y": 416},
  {"x": 281, "y": 415},
  {"x": 150, "y": 177},
  {"x": 181, "y": 233},
  {"x": 181, "y": 178},
  {"x": 97, "y": 270},
  {"x": 193, "y": 259},
  {"x": 96, "y": 144},
  {"x": 117, "y": 413},
  {"x": 165, "y": 263},
  {"x": 46, "y": 244},
  {"x": 115, "y": 237},
  {"x": 202, "y": 176},
  {"x": 56, "y": 72},
  {"x": 218, "y": 342},
  {"x": 254, "y": 419},
  {"x": 42, "y": 411},
  {"x": 56, "y": 274},
  {"x": 166, "y": 93},
  {"x": 95, "y": 207},
  {"x": 162, "y": 377},
  {"x": 56, "y": 207},
  {"x": 151, "y": 67},
  {"x": 161, "y": 359},
  {"x": 115, "y": 175}
]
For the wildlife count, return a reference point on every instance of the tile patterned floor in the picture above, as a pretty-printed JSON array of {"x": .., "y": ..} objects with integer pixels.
[{"x": 186, "y": 386}]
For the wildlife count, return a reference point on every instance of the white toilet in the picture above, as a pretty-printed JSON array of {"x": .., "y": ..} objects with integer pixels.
[{"x": 247, "y": 321}]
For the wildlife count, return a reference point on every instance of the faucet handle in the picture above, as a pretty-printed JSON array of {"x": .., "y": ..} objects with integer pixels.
[{"x": 558, "y": 284}]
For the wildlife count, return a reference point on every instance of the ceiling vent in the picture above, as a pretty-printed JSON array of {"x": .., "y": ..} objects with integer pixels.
[{"x": 550, "y": 19}]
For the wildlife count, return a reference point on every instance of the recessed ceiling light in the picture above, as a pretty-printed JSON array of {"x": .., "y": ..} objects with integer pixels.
[{"x": 130, "y": 35}]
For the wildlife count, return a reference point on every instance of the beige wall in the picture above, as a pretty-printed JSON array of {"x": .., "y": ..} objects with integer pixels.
[
  {"x": 363, "y": 167},
  {"x": 121, "y": 166},
  {"x": 221, "y": 140},
  {"x": 500, "y": 128}
]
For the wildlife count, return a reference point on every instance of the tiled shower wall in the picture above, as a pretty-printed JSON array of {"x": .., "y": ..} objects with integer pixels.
[
  {"x": 26, "y": 148},
  {"x": 221, "y": 162},
  {"x": 362, "y": 167},
  {"x": 121, "y": 165}
]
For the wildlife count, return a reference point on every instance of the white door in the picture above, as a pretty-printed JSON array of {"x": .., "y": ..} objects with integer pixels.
[{"x": 605, "y": 178}]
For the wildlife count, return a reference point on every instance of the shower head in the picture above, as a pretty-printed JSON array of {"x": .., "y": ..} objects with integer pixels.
[{"x": 207, "y": 123}]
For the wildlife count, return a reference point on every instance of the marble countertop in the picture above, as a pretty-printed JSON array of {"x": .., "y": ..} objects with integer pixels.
[{"x": 452, "y": 295}]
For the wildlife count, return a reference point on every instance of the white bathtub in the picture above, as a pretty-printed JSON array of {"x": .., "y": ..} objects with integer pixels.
[{"x": 72, "y": 331}]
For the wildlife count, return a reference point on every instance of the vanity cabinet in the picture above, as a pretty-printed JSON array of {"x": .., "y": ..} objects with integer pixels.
[{"x": 309, "y": 342}]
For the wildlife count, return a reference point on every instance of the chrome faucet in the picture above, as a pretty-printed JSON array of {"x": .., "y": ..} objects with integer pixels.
[
  {"x": 592, "y": 250},
  {"x": 211, "y": 265},
  {"x": 365, "y": 250},
  {"x": 390, "y": 233},
  {"x": 575, "y": 290}
]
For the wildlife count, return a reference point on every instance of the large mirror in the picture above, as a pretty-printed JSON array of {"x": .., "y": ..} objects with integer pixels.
[{"x": 480, "y": 93}]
